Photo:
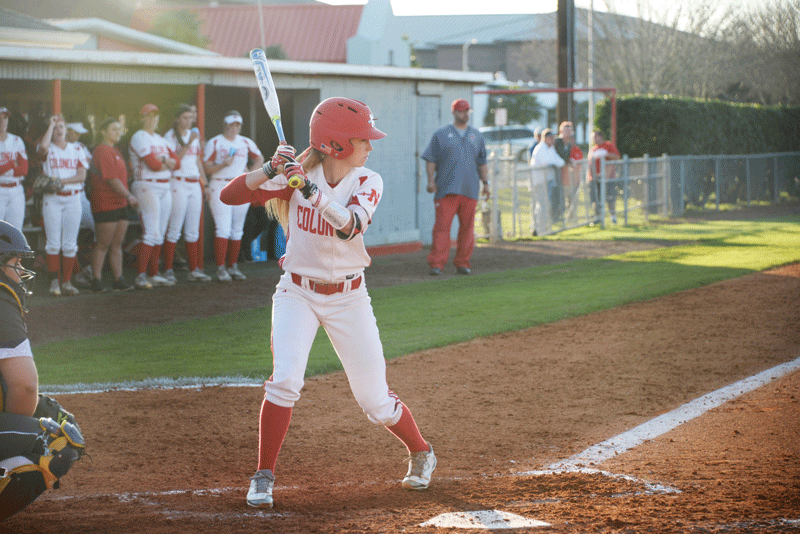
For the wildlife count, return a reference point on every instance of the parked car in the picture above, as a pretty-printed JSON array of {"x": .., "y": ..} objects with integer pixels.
[{"x": 519, "y": 137}]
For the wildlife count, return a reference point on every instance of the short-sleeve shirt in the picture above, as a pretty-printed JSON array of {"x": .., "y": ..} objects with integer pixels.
[
  {"x": 188, "y": 167},
  {"x": 568, "y": 152},
  {"x": 457, "y": 158},
  {"x": 64, "y": 163},
  {"x": 218, "y": 149},
  {"x": 609, "y": 147},
  {"x": 143, "y": 144},
  {"x": 109, "y": 164},
  {"x": 10, "y": 149}
]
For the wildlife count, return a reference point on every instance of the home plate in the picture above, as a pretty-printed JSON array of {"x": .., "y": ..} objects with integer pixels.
[{"x": 486, "y": 519}]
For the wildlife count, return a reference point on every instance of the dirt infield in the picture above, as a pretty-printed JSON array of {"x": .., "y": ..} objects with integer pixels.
[{"x": 495, "y": 409}]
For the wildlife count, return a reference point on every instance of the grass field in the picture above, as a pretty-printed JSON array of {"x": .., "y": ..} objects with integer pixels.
[{"x": 437, "y": 313}]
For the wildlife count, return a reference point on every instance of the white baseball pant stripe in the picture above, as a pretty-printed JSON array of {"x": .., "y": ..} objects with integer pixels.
[
  {"x": 229, "y": 220},
  {"x": 12, "y": 206},
  {"x": 349, "y": 321},
  {"x": 62, "y": 222},
  {"x": 155, "y": 205},
  {"x": 187, "y": 203}
]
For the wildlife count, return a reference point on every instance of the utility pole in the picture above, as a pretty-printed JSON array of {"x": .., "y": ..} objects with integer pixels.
[{"x": 566, "y": 57}]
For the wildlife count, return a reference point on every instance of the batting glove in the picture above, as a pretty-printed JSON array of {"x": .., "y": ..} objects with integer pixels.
[{"x": 283, "y": 154}]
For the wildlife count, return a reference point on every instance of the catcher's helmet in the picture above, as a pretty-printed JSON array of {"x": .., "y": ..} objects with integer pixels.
[
  {"x": 13, "y": 243},
  {"x": 337, "y": 120}
]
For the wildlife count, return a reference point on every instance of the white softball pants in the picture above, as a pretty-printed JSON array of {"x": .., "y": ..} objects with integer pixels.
[
  {"x": 12, "y": 206},
  {"x": 349, "y": 321},
  {"x": 155, "y": 205},
  {"x": 228, "y": 220},
  {"x": 187, "y": 203},
  {"x": 62, "y": 222}
]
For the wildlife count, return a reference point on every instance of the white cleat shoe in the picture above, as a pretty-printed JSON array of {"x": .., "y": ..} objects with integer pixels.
[
  {"x": 222, "y": 274},
  {"x": 198, "y": 276},
  {"x": 260, "y": 494},
  {"x": 420, "y": 469},
  {"x": 141, "y": 282},
  {"x": 158, "y": 280},
  {"x": 55, "y": 288},
  {"x": 68, "y": 289},
  {"x": 235, "y": 273},
  {"x": 169, "y": 276}
]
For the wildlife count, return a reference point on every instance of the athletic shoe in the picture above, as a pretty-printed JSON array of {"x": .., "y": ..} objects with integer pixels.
[
  {"x": 158, "y": 280},
  {"x": 420, "y": 469},
  {"x": 83, "y": 279},
  {"x": 260, "y": 494},
  {"x": 169, "y": 276},
  {"x": 141, "y": 282},
  {"x": 463, "y": 270},
  {"x": 435, "y": 271},
  {"x": 55, "y": 288},
  {"x": 198, "y": 276},
  {"x": 68, "y": 289},
  {"x": 98, "y": 287},
  {"x": 121, "y": 285},
  {"x": 222, "y": 274},
  {"x": 235, "y": 273}
]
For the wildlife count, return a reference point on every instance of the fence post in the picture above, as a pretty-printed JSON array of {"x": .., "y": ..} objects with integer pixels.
[
  {"x": 494, "y": 237},
  {"x": 646, "y": 188},
  {"x": 683, "y": 186},
  {"x": 776, "y": 193},
  {"x": 667, "y": 189},
  {"x": 602, "y": 199},
  {"x": 747, "y": 177},
  {"x": 512, "y": 172},
  {"x": 717, "y": 178},
  {"x": 626, "y": 180}
]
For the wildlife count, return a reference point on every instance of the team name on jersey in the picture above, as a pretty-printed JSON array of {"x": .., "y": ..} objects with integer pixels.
[
  {"x": 310, "y": 220},
  {"x": 62, "y": 163},
  {"x": 6, "y": 157}
]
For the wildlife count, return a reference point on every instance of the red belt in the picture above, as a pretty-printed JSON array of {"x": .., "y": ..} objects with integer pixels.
[
  {"x": 326, "y": 289},
  {"x": 15, "y": 184},
  {"x": 188, "y": 180},
  {"x": 69, "y": 193},
  {"x": 159, "y": 181}
]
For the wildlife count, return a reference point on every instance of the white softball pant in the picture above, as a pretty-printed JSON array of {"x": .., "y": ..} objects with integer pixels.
[
  {"x": 349, "y": 321},
  {"x": 62, "y": 222},
  {"x": 155, "y": 205},
  {"x": 12, "y": 205},
  {"x": 228, "y": 220},
  {"x": 187, "y": 203}
]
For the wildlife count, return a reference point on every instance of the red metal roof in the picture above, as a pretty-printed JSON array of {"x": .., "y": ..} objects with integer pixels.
[{"x": 305, "y": 32}]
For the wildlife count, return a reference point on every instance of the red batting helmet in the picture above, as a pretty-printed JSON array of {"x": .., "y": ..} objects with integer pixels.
[{"x": 337, "y": 120}]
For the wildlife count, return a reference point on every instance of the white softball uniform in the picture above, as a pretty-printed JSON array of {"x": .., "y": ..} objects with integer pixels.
[
  {"x": 324, "y": 286},
  {"x": 228, "y": 220},
  {"x": 151, "y": 186},
  {"x": 187, "y": 191},
  {"x": 12, "y": 194},
  {"x": 87, "y": 219},
  {"x": 61, "y": 211}
]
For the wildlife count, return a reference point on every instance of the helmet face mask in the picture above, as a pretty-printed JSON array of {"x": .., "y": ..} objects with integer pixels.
[
  {"x": 14, "y": 245},
  {"x": 336, "y": 121}
]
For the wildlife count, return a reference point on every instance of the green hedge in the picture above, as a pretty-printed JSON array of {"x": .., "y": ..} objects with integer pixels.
[{"x": 657, "y": 125}]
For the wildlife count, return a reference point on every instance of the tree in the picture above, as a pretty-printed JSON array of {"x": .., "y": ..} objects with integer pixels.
[
  {"x": 522, "y": 108},
  {"x": 180, "y": 25},
  {"x": 275, "y": 51}
]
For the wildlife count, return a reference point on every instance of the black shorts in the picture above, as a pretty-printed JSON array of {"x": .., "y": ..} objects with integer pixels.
[{"x": 119, "y": 214}]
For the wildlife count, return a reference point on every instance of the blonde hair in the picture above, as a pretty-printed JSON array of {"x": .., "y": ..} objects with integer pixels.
[{"x": 278, "y": 208}]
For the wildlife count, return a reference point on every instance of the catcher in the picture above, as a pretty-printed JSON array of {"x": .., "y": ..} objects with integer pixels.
[{"x": 39, "y": 440}]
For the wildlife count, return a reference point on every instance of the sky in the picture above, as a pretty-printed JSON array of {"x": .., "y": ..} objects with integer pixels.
[{"x": 452, "y": 7}]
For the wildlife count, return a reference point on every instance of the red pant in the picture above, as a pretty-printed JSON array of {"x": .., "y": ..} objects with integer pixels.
[{"x": 448, "y": 207}]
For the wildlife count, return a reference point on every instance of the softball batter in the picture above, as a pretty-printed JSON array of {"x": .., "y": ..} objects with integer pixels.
[
  {"x": 62, "y": 211},
  {"x": 152, "y": 161},
  {"x": 323, "y": 283},
  {"x": 226, "y": 156},
  {"x": 13, "y": 168},
  {"x": 188, "y": 184}
]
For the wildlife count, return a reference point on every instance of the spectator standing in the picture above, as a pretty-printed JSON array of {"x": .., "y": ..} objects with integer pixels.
[
  {"x": 545, "y": 163},
  {"x": 537, "y": 137},
  {"x": 111, "y": 203},
  {"x": 603, "y": 149},
  {"x": 456, "y": 166},
  {"x": 152, "y": 161},
  {"x": 189, "y": 185},
  {"x": 570, "y": 152},
  {"x": 61, "y": 211},
  {"x": 13, "y": 168},
  {"x": 83, "y": 278},
  {"x": 226, "y": 156}
]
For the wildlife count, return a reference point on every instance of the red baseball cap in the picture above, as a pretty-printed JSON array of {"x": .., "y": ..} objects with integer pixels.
[
  {"x": 147, "y": 109},
  {"x": 460, "y": 105}
]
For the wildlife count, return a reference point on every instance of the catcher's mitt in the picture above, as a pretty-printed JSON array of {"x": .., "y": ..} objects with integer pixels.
[
  {"x": 47, "y": 185},
  {"x": 48, "y": 407}
]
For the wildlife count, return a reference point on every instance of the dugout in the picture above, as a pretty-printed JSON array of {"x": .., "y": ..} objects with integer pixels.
[{"x": 408, "y": 104}]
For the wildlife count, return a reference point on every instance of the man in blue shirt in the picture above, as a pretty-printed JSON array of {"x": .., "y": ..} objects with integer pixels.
[{"x": 455, "y": 164}]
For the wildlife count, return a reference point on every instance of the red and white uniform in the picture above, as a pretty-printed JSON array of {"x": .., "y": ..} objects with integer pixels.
[
  {"x": 151, "y": 184},
  {"x": 229, "y": 220},
  {"x": 87, "y": 221},
  {"x": 13, "y": 168},
  {"x": 187, "y": 191},
  {"x": 61, "y": 211},
  {"x": 315, "y": 254}
]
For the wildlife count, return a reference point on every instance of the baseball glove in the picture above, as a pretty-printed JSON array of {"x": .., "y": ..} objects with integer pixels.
[
  {"x": 48, "y": 407},
  {"x": 47, "y": 185}
]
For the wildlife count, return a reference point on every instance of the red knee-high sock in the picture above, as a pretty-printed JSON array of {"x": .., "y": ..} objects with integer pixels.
[
  {"x": 220, "y": 250},
  {"x": 53, "y": 265},
  {"x": 169, "y": 255},
  {"x": 67, "y": 264},
  {"x": 406, "y": 431},
  {"x": 234, "y": 246},
  {"x": 272, "y": 428},
  {"x": 155, "y": 258},
  {"x": 145, "y": 251},
  {"x": 192, "y": 253}
]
